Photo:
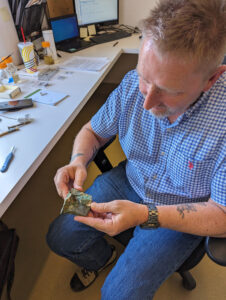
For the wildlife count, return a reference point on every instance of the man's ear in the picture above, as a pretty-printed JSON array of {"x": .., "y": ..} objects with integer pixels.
[{"x": 220, "y": 70}]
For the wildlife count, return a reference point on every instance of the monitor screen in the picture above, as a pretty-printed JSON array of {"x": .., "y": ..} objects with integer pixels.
[
  {"x": 96, "y": 11},
  {"x": 64, "y": 28}
]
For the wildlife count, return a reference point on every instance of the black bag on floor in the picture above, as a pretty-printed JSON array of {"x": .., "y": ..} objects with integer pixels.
[{"x": 8, "y": 247}]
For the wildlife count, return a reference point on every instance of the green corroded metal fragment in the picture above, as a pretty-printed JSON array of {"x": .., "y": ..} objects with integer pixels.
[{"x": 76, "y": 203}]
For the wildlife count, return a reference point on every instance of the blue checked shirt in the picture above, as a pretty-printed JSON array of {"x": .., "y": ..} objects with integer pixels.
[{"x": 169, "y": 163}]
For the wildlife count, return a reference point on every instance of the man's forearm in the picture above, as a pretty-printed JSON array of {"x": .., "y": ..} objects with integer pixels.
[
  {"x": 204, "y": 218},
  {"x": 86, "y": 145}
]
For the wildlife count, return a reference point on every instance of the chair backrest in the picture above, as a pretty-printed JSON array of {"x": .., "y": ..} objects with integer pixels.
[{"x": 216, "y": 250}]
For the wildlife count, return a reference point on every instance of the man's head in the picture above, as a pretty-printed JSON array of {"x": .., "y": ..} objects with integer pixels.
[{"x": 184, "y": 42}]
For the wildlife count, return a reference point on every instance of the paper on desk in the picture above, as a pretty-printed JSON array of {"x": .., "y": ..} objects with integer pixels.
[
  {"x": 47, "y": 97},
  {"x": 5, "y": 122},
  {"x": 82, "y": 63},
  {"x": 23, "y": 72}
]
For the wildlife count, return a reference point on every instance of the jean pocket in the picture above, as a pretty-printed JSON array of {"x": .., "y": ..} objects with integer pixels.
[{"x": 190, "y": 175}]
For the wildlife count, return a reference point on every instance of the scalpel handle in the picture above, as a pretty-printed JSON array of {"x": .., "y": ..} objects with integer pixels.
[{"x": 7, "y": 162}]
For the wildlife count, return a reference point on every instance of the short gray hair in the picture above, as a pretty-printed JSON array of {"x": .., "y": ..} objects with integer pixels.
[{"x": 195, "y": 28}]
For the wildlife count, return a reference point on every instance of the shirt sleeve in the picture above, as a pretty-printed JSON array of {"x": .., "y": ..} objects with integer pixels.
[
  {"x": 105, "y": 122},
  {"x": 218, "y": 185}
]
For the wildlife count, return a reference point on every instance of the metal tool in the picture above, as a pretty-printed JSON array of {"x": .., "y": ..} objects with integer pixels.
[
  {"x": 19, "y": 124},
  {"x": 8, "y": 160},
  {"x": 9, "y": 131}
]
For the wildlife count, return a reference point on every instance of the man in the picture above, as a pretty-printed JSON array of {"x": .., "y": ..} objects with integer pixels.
[{"x": 169, "y": 115}]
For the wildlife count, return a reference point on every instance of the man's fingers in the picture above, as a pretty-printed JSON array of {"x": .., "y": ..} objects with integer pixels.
[
  {"x": 103, "y": 207},
  {"x": 69, "y": 176},
  {"x": 61, "y": 180},
  {"x": 80, "y": 177},
  {"x": 62, "y": 190},
  {"x": 97, "y": 223}
]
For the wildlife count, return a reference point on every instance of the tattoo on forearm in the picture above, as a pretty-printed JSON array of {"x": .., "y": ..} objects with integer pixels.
[
  {"x": 188, "y": 208},
  {"x": 95, "y": 150},
  {"x": 76, "y": 155},
  {"x": 185, "y": 208},
  {"x": 202, "y": 203}
]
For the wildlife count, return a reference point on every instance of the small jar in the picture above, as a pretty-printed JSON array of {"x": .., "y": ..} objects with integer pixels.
[
  {"x": 48, "y": 55},
  {"x": 11, "y": 70},
  {"x": 2, "y": 87},
  {"x": 3, "y": 76}
]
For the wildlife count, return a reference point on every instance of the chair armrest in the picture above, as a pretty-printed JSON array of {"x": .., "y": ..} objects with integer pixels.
[
  {"x": 224, "y": 61},
  {"x": 101, "y": 159},
  {"x": 108, "y": 143},
  {"x": 216, "y": 249}
]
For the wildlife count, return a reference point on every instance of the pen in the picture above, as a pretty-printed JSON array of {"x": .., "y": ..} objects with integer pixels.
[
  {"x": 8, "y": 160},
  {"x": 6, "y": 57},
  {"x": 115, "y": 44}
]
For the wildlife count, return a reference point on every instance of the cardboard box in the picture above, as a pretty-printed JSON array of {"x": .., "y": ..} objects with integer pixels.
[{"x": 58, "y": 8}]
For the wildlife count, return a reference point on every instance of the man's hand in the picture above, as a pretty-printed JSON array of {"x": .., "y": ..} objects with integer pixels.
[
  {"x": 72, "y": 175},
  {"x": 115, "y": 216}
]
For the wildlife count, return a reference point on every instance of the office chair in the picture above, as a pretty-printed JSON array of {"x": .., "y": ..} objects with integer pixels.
[{"x": 214, "y": 247}]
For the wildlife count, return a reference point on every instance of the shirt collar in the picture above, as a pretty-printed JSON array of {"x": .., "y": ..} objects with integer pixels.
[
  {"x": 203, "y": 98},
  {"x": 187, "y": 114},
  {"x": 199, "y": 102}
]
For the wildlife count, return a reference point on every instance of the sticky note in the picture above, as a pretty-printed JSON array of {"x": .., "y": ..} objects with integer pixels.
[
  {"x": 92, "y": 30},
  {"x": 83, "y": 32}
]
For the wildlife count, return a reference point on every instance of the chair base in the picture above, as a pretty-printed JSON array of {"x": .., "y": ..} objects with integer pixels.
[{"x": 188, "y": 282}]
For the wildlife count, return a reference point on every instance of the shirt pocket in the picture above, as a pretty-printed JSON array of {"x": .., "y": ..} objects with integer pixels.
[{"x": 189, "y": 175}]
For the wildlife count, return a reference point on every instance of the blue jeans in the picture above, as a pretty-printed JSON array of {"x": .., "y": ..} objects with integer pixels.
[{"x": 149, "y": 258}]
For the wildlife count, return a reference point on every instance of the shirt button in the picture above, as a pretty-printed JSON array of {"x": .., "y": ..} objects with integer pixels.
[
  {"x": 154, "y": 176},
  {"x": 162, "y": 153}
]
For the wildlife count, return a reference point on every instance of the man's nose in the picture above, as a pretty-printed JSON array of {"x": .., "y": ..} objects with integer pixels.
[{"x": 152, "y": 97}]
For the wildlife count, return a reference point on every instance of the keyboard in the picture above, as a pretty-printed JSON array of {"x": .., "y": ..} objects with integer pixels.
[{"x": 108, "y": 37}]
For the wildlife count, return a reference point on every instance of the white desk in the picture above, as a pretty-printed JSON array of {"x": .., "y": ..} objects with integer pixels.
[{"x": 34, "y": 141}]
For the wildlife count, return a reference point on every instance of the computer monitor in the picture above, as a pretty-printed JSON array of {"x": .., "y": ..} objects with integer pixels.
[
  {"x": 102, "y": 12},
  {"x": 64, "y": 28}
]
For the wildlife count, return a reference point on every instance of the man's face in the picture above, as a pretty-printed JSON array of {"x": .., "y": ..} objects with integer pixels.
[{"x": 169, "y": 86}]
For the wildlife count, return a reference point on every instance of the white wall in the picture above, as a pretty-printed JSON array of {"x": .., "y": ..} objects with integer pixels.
[
  {"x": 132, "y": 11},
  {"x": 8, "y": 34}
]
